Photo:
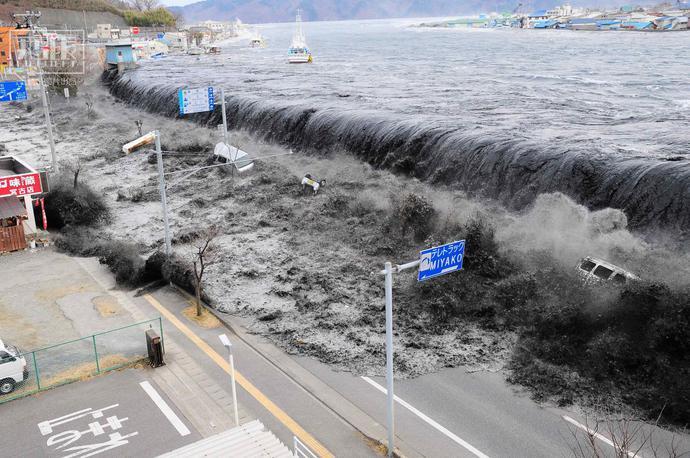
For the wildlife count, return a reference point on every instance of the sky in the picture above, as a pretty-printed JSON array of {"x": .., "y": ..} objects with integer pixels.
[{"x": 177, "y": 2}]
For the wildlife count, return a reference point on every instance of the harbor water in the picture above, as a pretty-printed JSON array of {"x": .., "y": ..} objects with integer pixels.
[{"x": 505, "y": 113}]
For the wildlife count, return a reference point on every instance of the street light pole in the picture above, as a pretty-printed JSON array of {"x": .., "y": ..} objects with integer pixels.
[
  {"x": 161, "y": 185},
  {"x": 226, "y": 343},
  {"x": 225, "y": 120}
]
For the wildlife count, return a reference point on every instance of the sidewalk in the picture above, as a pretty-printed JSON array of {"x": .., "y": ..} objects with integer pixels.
[{"x": 206, "y": 404}]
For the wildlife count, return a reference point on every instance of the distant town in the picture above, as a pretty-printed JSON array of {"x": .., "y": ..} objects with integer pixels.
[{"x": 660, "y": 18}]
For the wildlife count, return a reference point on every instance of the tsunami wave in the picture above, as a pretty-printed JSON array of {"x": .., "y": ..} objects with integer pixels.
[{"x": 653, "y": 193}]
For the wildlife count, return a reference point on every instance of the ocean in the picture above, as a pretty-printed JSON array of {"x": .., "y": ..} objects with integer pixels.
[{"x": 504, "y": 113}]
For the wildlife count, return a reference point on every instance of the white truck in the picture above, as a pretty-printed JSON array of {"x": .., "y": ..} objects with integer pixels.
[{"x": 13, "y": 370}]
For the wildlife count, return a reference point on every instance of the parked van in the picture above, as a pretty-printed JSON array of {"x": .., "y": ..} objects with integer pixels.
[
  {"x": 224, "y": 154},
  {"x": 595, "y": 270},
  {"x": 13, "y": 370}
]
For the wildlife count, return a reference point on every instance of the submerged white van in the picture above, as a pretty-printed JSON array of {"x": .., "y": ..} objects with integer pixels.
[
  {"x": 593, "y": 270},
  {"x": 13, "y": 370}
]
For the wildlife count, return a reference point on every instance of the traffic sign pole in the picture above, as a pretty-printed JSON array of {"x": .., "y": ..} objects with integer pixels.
[
  {"x": 390, "y": 419},
  {"x": 432, "y": 263},
  {"x": 390, "y": 404}
]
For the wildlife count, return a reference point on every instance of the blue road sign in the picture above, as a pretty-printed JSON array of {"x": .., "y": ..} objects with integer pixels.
[
  {"x": 196, "y": 100},
  {"x": 12, "y": 91},
  {"x": 441, "y": 260}
]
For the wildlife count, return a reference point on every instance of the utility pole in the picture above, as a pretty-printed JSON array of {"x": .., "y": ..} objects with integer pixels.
[{"x": 30, "y": 18}]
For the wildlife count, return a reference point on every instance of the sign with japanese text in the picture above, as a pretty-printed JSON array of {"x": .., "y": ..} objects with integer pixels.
[
  {"x": 196, "y": 100},
  {"x": 12, "y": 91},
  {"x": 441, "y": 260},
  {"x": 86, "y": 432},
  {"x": 21, "y": 185}
]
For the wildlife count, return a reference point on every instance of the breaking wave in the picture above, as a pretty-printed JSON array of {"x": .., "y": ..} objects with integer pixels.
[{"x": 652, "y": 192}]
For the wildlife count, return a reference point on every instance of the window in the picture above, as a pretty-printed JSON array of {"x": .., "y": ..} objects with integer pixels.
[
  {"x": 5, "y": 357},
  {"x": 620, "y": 279},
  {"x": 603, "y": 272},
  {"x": 587, "y": 265}
]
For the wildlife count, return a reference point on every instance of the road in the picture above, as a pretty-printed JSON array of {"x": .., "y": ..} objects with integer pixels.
[
  {"x": 123, "y": 413},
  {"x": 448, "y": 414}
]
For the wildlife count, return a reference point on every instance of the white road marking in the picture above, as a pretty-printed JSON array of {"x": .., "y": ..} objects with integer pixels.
[
  {"x": 599, "y": 436},
  {"x": 431, "y": 422},
  {"x": 165, "y": 408}
]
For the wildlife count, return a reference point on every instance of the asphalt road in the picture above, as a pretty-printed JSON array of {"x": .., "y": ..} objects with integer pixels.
[
  {"x": 109, "y": 416},
  {"x": 453, "y": 413}
]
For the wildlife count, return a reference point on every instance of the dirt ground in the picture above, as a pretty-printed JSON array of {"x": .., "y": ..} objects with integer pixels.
[{"x": 302, "y": 268}]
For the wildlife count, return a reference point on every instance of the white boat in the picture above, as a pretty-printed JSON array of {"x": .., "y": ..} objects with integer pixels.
[
  {"x": 195, "y": 51},
  {"x": 299, "y": 52},
  {"x": 257, "y": 42}
]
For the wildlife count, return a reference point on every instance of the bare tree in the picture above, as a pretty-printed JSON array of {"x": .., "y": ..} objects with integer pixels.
[
  {"x": 204, "y": 255},
  {"x": 88, "y": 100},
  {"x": 628, "y": 437},
  {"x": 143, "y": 5}
]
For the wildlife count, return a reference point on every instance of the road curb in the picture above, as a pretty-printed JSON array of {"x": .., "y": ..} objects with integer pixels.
[{"x": 327, "y": 396}]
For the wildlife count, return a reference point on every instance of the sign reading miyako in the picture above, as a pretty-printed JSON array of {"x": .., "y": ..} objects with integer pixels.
[{"x": 21, "y": 185}]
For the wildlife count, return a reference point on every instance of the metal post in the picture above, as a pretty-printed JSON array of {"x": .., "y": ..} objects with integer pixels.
[
  {"x": 38, "y": 377},
  {"x": 160, "y": 326},
  {"x": 44, "y": 101},
  {"x": 225, "y": 120},
  {"x": 95, "y": 351},
  {"x": 161, "y": 184},
  {"x": 234, "y": 390},
  {"x": 389, "y": 357}
]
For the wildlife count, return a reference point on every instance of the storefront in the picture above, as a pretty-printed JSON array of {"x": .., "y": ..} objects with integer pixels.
[
  {"x": 19, "y": 185},
  {"x": 12, "y": 217}
]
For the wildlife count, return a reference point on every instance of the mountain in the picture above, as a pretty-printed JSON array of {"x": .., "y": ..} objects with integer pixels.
[{"x": 261, "y": 11}]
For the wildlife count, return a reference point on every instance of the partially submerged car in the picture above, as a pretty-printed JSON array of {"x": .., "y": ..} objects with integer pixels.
[
  {"x": 231, "y": 154},
  {"x": 593, "y": 270}
]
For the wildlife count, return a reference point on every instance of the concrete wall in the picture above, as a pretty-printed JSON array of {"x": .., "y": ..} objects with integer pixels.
[{"x": 67, "y": 19}]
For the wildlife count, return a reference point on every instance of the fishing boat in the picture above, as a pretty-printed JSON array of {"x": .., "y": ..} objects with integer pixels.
[
  {"x": 299, "y": 52},
  {"x": 257, "y": 42}
]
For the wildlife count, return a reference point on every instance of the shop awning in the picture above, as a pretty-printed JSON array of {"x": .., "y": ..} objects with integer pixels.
[{"x": 11, "y": 206}]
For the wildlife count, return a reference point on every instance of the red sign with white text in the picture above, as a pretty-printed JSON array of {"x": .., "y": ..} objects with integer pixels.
[
  {"x": 21, "y": 185},
  {"x": 135, "y": 30}
]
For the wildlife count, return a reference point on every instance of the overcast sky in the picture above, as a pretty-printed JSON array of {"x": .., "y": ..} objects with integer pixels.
[{"x": 178, "y": 2}]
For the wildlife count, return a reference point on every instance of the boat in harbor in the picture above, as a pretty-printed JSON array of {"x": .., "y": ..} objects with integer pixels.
[
  {"x": 257, "y": 41},
  {"x": 299, "y": 52}
]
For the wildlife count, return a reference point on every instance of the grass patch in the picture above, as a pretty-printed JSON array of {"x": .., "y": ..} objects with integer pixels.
[
  {"x": 207, "y": 320},
  {"x": 107, "y": 306}
]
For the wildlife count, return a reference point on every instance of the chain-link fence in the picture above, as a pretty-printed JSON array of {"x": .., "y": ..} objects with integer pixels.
[{"x": 25, "y": 373}]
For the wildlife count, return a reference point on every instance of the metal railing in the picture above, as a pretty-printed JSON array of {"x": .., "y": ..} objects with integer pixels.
[
  {"x": 301, "y": 450},
  {"x": 80, "y": 359}
]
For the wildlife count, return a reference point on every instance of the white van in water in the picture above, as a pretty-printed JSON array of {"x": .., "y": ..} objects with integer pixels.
[
  {"x": 13, "y": 370},
  {"x": 595, "y": 270}
]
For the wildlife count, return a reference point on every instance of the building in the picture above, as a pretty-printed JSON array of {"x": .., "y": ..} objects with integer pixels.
[
  {"x": 214, "y": 26},
  {"x": 11, "y": 45},
  {"x": 119, "y": 53},
  {"x": 19, "y": 185},
  {"x": 104, "y": 31}
]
